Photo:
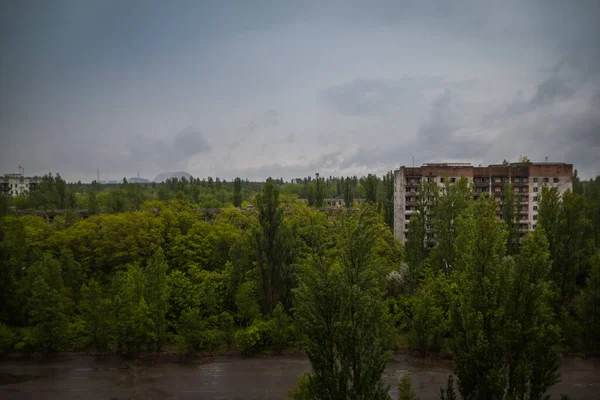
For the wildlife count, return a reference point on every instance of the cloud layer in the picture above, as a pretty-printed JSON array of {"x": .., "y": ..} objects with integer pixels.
[{"x": 290, "y": 90}]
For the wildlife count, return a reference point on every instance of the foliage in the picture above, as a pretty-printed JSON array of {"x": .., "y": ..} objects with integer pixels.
[
  {"x": 428, "y": 321},
  {"x": 452, "y": 202},
  {"x": 96, "y": 311},
  {"x": 280, "y": 328},
  {"x": 246, "y": 302},
  {"x": 590, "y": 308},
  {"x": 189, "y": 335},
  {"x": 340, "y": 309},
  {"x": 405, "y": 389},
  {"x": 301, "y": 391},
  {"x": 157, "y": 295},
  {"x": 448, "y": 392},
  {"x": 8, "y": 339}
]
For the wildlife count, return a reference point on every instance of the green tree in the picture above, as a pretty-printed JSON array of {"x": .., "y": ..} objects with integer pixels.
[
  {"x": 370, "y": 183},
  {"x": 405, "y": 389},
  {"x": 388, "y": 201},
  {"x": 45, "y": 305},
  {"x": 135, "y": 330},
  {"x": 415, "y": 248},
  {"x": 428, "y": 320},
  {"x": 478, "y": 309},
  {"x": 46, "y": 316},
  {"x": 280, "y": 329},
  {"x": 274, "y": 248},
  {"x": 531, "y": 334},
  {"x": 340, "y": 309},
  {"x": 157, "y": 295},
  {"x": 348, "y": 194},
  {"x": 93, "y": 207},
  {"x": 451, "y": 203},
  {"x": 237, "y": 192},
  {"x": 448, "y": 393},
  {"x": 96, "y": 310},
  {"x": 246, "y": 302},
  {"x": 189, "y": 334},
  {"x": 590, "y": 307},
  {"x": 509, "y": 217}
]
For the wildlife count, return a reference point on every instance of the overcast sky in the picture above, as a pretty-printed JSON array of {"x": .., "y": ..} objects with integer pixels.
[{"x": 289, "y": 88}]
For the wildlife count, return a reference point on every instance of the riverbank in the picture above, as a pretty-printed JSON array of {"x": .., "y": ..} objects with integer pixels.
[{"x": 226, "y": 377}]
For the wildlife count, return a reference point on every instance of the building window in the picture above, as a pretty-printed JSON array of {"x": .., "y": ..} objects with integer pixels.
[
  {"x": 535, "y": 217},
  {"x": 406, "y": 226},
  {"x": 535, "y": 189},
  {"x": 535, "y": 180},
  {"x": 534, "y": 226},
  {"x": 546, "y": 180},
  {"x": 535, "y": 198},
  {"x": 442, "y": 180},
  {"x": 534, "y": 208},
  {"x": 407, "y": 208},
  {"x": 430, "y": 179},
  {"x": 452, "y": 180},
  {"x": 407, "y": 217},
  {"x": 555, "y": 180}
]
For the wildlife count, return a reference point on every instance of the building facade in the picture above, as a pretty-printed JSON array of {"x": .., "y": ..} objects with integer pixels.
[
  {"x": 16, "y": 184},
  {"x": 527, "y": 180}
]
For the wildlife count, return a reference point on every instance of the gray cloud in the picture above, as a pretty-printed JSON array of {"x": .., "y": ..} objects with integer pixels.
[{"x": 363, "y": 87}]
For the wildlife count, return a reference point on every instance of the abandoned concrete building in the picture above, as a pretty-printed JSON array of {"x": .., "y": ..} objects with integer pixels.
[
  {"x": 17, "y": 184},
  {"x": 527, "y": 180}
]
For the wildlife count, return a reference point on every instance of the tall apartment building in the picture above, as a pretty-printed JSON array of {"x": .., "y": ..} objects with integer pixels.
[
  {"x": 17, "y": 184},
  {"x": 527, "y": 180}
]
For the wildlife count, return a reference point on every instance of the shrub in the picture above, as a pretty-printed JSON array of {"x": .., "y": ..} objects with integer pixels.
[
  {"x": 300, "y": 391},
  {"x": 247, "y": 341},
  {"x": 8, "y": 339},
  {"x": 405, "y": 390}
]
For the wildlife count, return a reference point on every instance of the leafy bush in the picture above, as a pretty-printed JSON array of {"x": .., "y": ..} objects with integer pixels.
[
  {"x": 255, "y": 338},
  {"x": 405, "y": 390},
  {"x": 247, "y": 341},
  {"x": 8, "y": 339},
  {"x": 300, "y": 391},
  {"x": 280, "y": 328},
  {"x": 189, "y": 335}
]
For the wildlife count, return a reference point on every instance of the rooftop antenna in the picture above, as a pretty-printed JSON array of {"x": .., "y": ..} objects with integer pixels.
[
  {"x": 413, "y": 161},
  {"x": 98, "y": 181},
  {"x": 546, "y": 160},
  {"x": 21, "y": 170}
]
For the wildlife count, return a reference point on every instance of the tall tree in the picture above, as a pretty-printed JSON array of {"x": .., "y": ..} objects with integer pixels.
[
  {"x": 157, "y": 295},
  {"x": 451, "y": 203},
  {"x": 509, "y": 217},
  {"x": 370, "y": 183},
  {"x": 46, "y": 305},
  {"x": 388, "y": 201},
  {"x": 275, "y": 250},
  {"x": 237, "y": 192},
  {"x": 96, "y": 310},
  {"x": 590, "y": 307},
  {"x": 348, "y": 195},
  {"x": 318, "y": 191},
  {"x": 340, "y": 308},
  {"x": 532, "y": 336},
  {"x": 478, "y": 312}
]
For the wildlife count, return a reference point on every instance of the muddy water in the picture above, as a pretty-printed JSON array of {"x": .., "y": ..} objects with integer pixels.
[{"x": 225, "y": 377}]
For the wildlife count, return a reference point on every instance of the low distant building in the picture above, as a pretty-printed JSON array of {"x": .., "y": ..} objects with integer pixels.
[{"x": 16, "y": 184}]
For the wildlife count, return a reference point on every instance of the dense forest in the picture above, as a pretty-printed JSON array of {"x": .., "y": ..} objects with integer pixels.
[{"x": 148, "y": 271}]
